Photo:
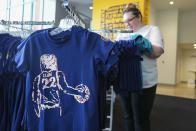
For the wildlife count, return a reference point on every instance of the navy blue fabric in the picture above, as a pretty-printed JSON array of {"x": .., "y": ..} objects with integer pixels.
[
  {"x": 17, "y": 103},
  {"x": 14, "y": 115},
  {"x": 1, "y": 57},
  {"x": 3, "y": 39},
  {"x": 102, "y": 100},
  {"x": 3, "y": 97},
  {"x": 78, "y": 56},
  {"x": 130, "y": 71},
  {"x": 129, "y": 77},
  {"x": 12, "y": 105}
]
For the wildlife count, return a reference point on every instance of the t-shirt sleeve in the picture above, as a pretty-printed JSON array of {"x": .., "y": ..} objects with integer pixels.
[
  {"x": 104, "y": 57},
  {"x": 21, "y": 58},
  {"x": 156, "y": 37}
]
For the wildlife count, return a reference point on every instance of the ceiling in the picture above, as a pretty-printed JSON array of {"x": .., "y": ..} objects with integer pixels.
[
  {"x": 82, "y": 6},
  {"x": 182, "y": 5}
]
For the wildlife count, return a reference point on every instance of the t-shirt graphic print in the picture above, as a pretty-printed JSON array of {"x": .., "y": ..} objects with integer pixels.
[{"x": 50, "y": 82}]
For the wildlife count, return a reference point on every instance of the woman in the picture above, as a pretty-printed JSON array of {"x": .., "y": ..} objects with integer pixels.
[{"x": 136, "y": 105}]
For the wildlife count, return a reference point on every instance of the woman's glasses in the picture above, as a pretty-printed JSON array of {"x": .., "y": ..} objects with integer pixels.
[{"x": 129, "y": 20}]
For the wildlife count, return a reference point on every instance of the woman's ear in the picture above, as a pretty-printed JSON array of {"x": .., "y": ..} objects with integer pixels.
[{"x": 140, "y": 17}]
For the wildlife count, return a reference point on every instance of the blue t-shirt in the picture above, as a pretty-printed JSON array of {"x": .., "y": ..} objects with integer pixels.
[
  {"x": 3, "y": 39},
  {"x": 9, "y": 83},
  {"x": 129, "y": 76},
  {"x": 62, "y": 79},
  {"x": 10, "y": 88},
  {"x": 1, "y": 57}
]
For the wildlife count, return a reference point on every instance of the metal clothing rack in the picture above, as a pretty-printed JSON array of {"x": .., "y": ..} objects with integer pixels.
[
  {"x": 111, "y": 34},
  {"x": 113, "y": 31},
  {"x": 20, "y": 31},
  {"x": 73, "y": 13},
  {"x": 71, "y": 18},
  {"x": 110, "y": 97},
  {"x": 17, "y": 31},
  {"x": 3, "y": 22}
]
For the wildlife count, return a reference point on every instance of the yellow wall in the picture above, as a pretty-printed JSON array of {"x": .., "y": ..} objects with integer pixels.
[{"x": 108, "y": 14}]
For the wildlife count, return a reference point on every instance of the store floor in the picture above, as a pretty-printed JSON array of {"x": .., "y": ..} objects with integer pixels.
[
  {"x": 180, "y": 90},
  {"x": 173, "y": 110}
]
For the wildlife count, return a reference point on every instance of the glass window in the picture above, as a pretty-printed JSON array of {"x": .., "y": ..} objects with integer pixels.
[
  {"x": 3, "y": 9},
  {"x": 28, "y": 0},
  {"x": 27, "y": 15},
  {"x": 44, "y": 11},
  {"x": 3, "y": 14},
  {"x": 3, "y": 4},
  {"x": 16, "y": 2},
  {"x": 16, "y": 13},
  {"x": 28, "y": 10},
  {"x": 37, "y": 16},
  {"x": 49, "y": 13}
]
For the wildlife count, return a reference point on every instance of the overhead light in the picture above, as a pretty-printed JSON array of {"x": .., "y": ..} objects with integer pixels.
[
  {"x": 65, "y": 3},
  {"x": 194, "y": 46},
  {"x": 90, "y": 7},
  {"x": 171, "y": 2}
]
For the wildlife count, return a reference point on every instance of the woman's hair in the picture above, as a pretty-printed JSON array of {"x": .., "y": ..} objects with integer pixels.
[{"x": 132, "y": 7}]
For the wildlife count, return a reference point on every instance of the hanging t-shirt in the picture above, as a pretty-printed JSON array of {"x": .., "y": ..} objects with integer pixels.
[
  {"x": 1, "y": 57},
  {"x": 3, "y": 39},
  {"x": 62, "y": 79},
  {"x": 10, "y": 86},
  {"x": 129, "y": 77},
  {"x": 149, "y": 66}
]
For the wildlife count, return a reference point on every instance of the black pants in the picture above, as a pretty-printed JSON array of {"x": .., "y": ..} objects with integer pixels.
[{"x": 137, "y": 107}]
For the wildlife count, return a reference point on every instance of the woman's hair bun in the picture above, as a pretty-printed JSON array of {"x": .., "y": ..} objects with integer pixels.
[
  {"x": 134, "y": 8},
  {"x": 131, "y": 6}
]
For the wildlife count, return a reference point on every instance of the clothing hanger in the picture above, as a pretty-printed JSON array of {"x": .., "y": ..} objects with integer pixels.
[{"x": 65, "y": 24}]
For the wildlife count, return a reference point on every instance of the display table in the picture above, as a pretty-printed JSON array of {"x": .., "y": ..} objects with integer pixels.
[{"x": 194, "y": 71}]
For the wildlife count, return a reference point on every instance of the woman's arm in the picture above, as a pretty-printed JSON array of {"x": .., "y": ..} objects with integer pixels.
[
  {"x": 157, "y": 43},
  {"x": 157, "y": 52}
]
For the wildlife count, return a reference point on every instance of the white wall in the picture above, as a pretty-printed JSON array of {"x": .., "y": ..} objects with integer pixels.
[
  {"x": 153, "y": 15},
  {"x": 188, "y": 63},
  {"x": 187, "y": 27},
  {"x": 167, "y": 20}
]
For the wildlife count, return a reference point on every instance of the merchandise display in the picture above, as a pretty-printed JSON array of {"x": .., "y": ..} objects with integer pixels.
[{"x": 61, "y": 79}]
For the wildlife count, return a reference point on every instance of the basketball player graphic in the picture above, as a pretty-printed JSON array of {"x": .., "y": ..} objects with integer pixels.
[{"x": 50, "y": 82}]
